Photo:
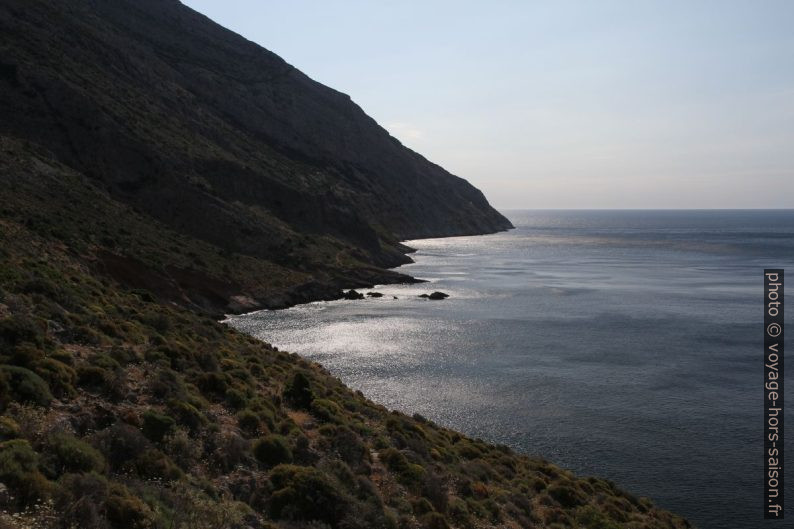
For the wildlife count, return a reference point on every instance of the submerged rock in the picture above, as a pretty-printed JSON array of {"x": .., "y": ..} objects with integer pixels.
[
  {"x": 375, "y": 294},
  {"x": 352, "y": 294}
]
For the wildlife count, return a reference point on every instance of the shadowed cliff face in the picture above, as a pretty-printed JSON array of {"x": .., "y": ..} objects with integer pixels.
[{"x": 215, "y": 136}]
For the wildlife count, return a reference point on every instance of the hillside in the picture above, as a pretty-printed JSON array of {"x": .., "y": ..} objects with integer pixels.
[
  {"x": 155, "y": 172},
  {"x": 221, "y": 139}
]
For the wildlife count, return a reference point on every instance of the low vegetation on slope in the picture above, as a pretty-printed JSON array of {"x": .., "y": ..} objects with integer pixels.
[{"x": 124, "y": 407}]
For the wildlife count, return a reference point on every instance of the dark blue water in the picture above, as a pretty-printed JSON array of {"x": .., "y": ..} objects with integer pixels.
[{"x": 623, "y": 344}]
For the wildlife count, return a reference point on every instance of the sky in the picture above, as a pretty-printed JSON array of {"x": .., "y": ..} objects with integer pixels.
[{"x": 562, "y": 104}]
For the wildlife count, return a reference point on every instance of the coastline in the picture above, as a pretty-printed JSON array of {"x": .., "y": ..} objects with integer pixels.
[{"x": 313, "y": 291}]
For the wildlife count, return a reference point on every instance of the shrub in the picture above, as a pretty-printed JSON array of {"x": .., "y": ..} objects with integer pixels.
[
  {"x": 306, "y": 494},
  {"x": 9, "y": 429},
  {"x": 421, "y": 506},
  {"x": 298, "y": 391},
  {"x": 435, "y": 490},
  {"x": 213, "y": 382},
  {"x": 326, "y": 410},
  {"x": 349, "y": 447},
  {"x": 248, "y": 421},
  {"x": 156, "y": 425},
  {"x": 25, "y": 355},
  {"x": 468, "y": 450},
  {"x": 565, "y": 495},
  {"x": 125, "y": 511},
  {"x": 591, "y": 518},
  {"x": 235, "y": 398},
  {"x": 59, "y": 376},
  {"x": 79, "y": 500},
  {"x": 104, "y": 361},
  {"x": 182, "y": 448},
  {"x": 66, "y": 453},
  {"x": 272, "y": 450},
  {"x": 154, "y": 464},
  {"x": 230, "y": 450},
  {"x": 187, "y": 414},
  {"x": 5, "y": 390},
  {"x": 120, "y": 444},
  {"x": 458, "y": 511},
  {"x": 394, "y": 460},
  {"x": 19, "y": 471},
  {"x": 26, "y": 386},
  {"x": 434, "y": 520},
  {"x": 19, "y": 329},
  {"x": 167, "y": 384},
  {"x": 93, "y": 377},
  {"x": 90, "y": 501},
  {"x": 85, "y": 335}
]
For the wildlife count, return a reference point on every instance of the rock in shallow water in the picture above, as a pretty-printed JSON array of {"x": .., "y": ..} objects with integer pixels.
[{"x": 435, "y": 295}]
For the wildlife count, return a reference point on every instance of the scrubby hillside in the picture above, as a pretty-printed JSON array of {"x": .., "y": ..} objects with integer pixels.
[{"x": 123, "y": 409}]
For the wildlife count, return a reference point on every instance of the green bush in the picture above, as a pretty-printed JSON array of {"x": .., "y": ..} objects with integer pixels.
[
  {"x": 125, "y": 511},
  {"x": 19, "y": 329},
  {"x": 91, "y": 501},
  {"x": 350, "y": 447},
  {"x": 9, "y": 429},
  {"x": 326, "y": 410},
  {"x": 591, "y": 518},
  {"x": 434, "y": 520},
  {"x": 93, "y": 377},
  {"x": 79, "y": 500},
  {"x": 394, "y": 460},
  {"x": 121, "y": 443},
  {"x": 26, "y": 386},
  {"x": 459, "y": 511},
  {"x": 306, "y": 494},
  {"x": 156, "y": 425},
  {"x": 248, "y": 421},
  {"x": 235, "y": 398},
  {"x": 59, "y": 376},
  {"x": 298, "y": 391},
  {"x": 229, "y": 451},
  {"x": 566, "y": 495},
  {"x": 153, "y": 464},
  {"x": 19, "y": 465},
  {"x": 187, "y": 415},
  {"x": 213, "y": 382},
  {"x": 66, "y": 453},
  {"x": 25, "y": 355},
  {"x": 272, "y": 450}
]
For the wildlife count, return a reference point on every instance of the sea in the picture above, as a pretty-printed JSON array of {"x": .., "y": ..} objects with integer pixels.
[{"x": 625, "y": 344}]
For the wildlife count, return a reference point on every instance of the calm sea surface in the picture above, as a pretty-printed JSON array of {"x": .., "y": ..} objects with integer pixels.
[{"x": 623, "y": 344}]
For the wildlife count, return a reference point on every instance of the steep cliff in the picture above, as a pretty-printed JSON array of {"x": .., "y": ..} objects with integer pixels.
[{"x": 217, "y": 137}]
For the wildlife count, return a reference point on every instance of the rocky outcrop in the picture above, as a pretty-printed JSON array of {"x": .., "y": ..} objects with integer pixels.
[
  {"x": 352, "y": 294},
  {"x": 435, "y": 295}
]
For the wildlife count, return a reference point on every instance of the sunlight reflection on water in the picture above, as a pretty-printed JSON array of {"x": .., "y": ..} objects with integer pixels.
[{"x": 622, "y": 344}]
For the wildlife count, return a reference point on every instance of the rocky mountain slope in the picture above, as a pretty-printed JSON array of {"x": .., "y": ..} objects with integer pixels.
[
  {"x": 219, "y": 138},
  {"x": 155, "y": 170}
]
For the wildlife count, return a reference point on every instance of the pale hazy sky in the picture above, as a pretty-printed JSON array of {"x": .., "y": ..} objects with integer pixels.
[{"x": 561, "y": 104}]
